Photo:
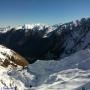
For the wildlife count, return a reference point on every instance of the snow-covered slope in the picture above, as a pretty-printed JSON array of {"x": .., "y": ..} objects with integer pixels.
[
  {"x": 70, "y": 73},
  {"x": 9, "y": 62},
  {"x": 8, "y": 82}
]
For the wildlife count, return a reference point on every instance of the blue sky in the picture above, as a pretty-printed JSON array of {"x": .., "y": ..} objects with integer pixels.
[{"x": 15, "y": 12}]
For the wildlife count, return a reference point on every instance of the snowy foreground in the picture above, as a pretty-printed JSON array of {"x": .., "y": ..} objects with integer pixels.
[{"x": 70, "y": 73}]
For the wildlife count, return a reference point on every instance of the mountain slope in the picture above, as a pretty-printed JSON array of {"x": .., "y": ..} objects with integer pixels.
[
  {"x": 70, "y": 73},
  {"x": 48, "y": 42},
  {"x": 7, "y": 82}
]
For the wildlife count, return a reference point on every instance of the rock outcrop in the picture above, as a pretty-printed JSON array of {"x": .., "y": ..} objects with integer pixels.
[{"x": 9, "y": 57}]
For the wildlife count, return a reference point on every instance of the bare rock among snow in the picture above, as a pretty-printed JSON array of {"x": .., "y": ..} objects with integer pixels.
[{"x": 9, "y": 57}]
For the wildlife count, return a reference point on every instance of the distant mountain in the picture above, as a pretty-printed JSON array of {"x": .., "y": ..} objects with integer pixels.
[
  {"x": 48, "y": 42},
  {"x": 31, "y": 26}
]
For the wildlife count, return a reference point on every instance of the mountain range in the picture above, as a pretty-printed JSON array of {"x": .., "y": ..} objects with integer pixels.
[
  {"x": 42, "y": 57},
  {"x": 45, "y": 42}
]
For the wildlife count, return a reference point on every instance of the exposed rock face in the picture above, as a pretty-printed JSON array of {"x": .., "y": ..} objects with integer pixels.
[
  {"x": 9, "y": 57},
  {"x": 48, "y": 42}
]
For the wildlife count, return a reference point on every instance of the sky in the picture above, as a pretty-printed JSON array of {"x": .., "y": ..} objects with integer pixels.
[{"x": 19, "y": 12}]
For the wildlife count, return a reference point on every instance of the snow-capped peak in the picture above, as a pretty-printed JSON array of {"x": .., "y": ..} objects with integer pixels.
[{"x": 31, "y": 26}]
